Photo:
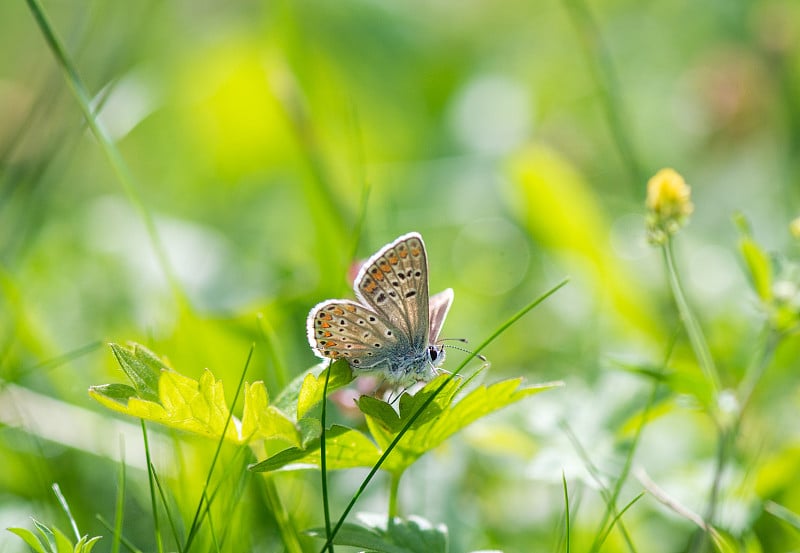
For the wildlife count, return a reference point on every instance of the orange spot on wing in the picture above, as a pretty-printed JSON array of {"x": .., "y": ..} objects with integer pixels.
[
  {"x": 325, "y": 325},
  {"x": 350, "y": 308},
  {"x": 370, "y": 286},
  {"x": 393, "y": 259}
]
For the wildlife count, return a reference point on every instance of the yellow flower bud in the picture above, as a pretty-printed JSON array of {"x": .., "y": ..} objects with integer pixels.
[{"x": 668, "y": 203}]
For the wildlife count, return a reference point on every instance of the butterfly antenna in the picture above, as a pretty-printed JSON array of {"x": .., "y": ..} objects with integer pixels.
[
  {"x": 465, "y": 350},
  {"x": 462, "y": 340}
]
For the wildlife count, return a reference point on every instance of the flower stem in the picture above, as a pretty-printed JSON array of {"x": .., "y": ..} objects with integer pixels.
[{"x": 690, "y": 323}]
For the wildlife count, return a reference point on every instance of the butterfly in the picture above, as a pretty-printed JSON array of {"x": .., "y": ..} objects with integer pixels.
[{"x": 392, "y": 330}]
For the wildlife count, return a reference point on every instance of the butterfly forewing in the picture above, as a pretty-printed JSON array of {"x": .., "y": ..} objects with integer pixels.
[
  {"x": 394, "y": 283},
  {"x": 345, "y": 329}
]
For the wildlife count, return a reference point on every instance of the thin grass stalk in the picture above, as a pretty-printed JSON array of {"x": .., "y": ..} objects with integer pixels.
[
  {"x": 632, "y": 450},
  {"x": 65, "y": 506},
  {"x": 605, "y": 77},
  {"x": 618, "y": 516},
  {"x": 566, "y": 512},
  {"x": 274, "y": 351},
  {"x": 193, "y": 528},
  {"x": 125, "y": 541},
  {"x": 212, "y": 531},
  {"x": 595, "y": 474},
  {"x": 373, "y": 471},
  {"x": 288, "y": 532},
  {"x": 361, "y": 179},
  {"x": 120, "y": 504},
  {"x": 107, "y": 146},
  {"x": 323, "y": 462},
  {"x": 170, "y": 518},
  {"x": 151, "y": 480}
]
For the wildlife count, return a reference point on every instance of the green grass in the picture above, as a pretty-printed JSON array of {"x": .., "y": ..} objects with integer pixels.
[{"x": 278, "y": 144}]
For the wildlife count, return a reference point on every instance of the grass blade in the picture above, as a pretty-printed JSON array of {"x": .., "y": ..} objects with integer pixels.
[
  {"x": 107, "y": 146},
  {"x": 195, "y": 521},
  {"x": 566, "y": 509},
  {"x": 502, "y": 328}
]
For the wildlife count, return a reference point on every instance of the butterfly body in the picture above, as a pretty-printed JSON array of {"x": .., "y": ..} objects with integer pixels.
[{"x": 393, "y": 328}]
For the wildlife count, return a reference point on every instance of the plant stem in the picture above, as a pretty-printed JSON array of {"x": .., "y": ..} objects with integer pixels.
[
  {"x": 285, "y": 526},
  {"x": 151, "y": 480},
  {"x": 693, "y": 330},
  {"x": 394, "y": 487}
]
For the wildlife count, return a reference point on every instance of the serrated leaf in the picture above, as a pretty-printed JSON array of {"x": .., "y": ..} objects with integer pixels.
[
  {"x": 380, "y": 411},
  {"x": 181, "y": 402},
  {"x": 357, "y": 536},
  {"x": 418, "y": 535},
  {"x": 346, "y": 448},
  {"x": 310, "y": 393},
  {"x": 29, "y": 538},
  {"x": 310, "y": 430},
  {"x": 475, "y": 405},
  {"x": 142, "y": 367},
  {"x": 412, "y": 535},
  {"x": 199, "y": 406}
]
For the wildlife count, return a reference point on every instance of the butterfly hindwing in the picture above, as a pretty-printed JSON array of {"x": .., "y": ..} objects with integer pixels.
[
  {"x": 394, "y": 283},
  {"x": 348, "y": 330},
  {"x": 439, "y": 306}
]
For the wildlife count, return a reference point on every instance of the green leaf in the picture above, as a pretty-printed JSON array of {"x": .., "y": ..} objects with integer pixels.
[
  {"x": 45, "y": 535},
  {"x": 63, "y": 543},
  {"x": 434, "y": 431},
  {"x": 29, "y": 538},
  {"x": 346, "y": 448},
  {"x": 142, "y": 367},
  {"x": 310, "y": 393},
  {"x": 196, "y": 406},
  {"x": 90, "y": 543},
  {"x": 357, "y": 536},
  {"x": 412, "y": 535},
  {"x": 381, "y": 411},
  {"x": 758, "y": 266},
  {"x": 120, "y": 393},
  {"x": 418, "y": 535},
  {"x": 264, "y": 421}
]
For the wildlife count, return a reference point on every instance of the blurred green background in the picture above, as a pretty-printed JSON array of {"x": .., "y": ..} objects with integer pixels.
[{"x": 516, "y": 136}]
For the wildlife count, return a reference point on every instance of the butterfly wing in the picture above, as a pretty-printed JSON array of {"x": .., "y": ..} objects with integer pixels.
[
  {"x": 439, "y": 306},
  {"x": 345, "y": 329},
  {"x": 394, "y": 284}
]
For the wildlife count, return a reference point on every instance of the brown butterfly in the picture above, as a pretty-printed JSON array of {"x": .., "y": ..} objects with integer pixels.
[{"x": 393, "y": 329}]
